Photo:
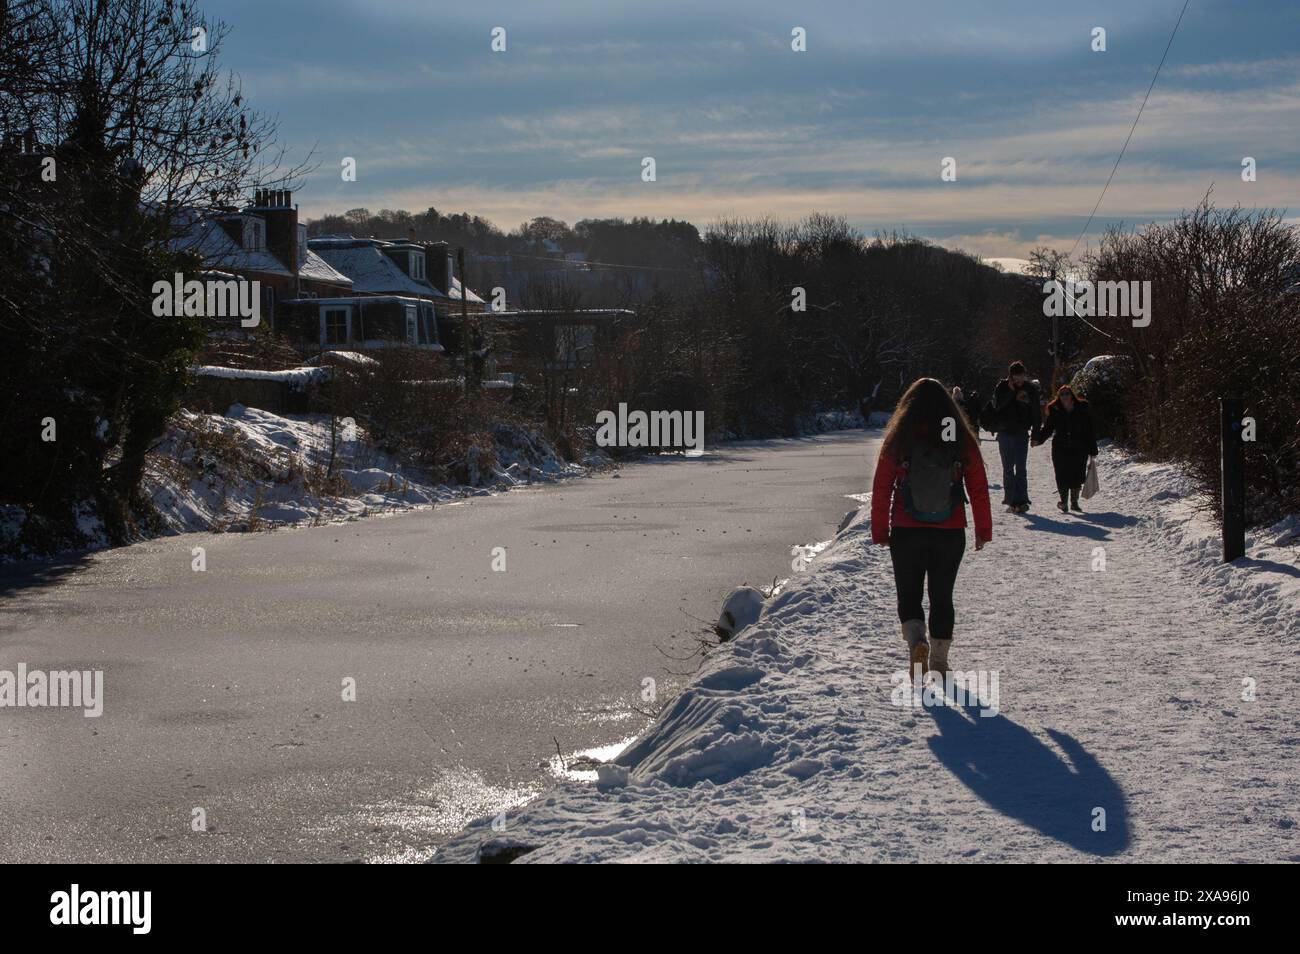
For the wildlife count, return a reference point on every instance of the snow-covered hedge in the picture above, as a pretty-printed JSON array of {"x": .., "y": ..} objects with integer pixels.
[{"x": 1105, "y": 382}]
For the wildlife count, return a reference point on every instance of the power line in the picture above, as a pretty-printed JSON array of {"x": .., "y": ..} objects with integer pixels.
[
  {"x": 1070, "y": 300},
  {"x": 1088, "y": 224}
]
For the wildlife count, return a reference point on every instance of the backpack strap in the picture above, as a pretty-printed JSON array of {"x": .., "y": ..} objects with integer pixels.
[{"x": 959, "y": 462}]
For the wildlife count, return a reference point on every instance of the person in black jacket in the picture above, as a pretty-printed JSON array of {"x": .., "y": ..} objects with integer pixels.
[
  {"x": 1069, "y": 425},
  {"x": 1016, "y": 416},
  {"x": 972, "y": 408}
]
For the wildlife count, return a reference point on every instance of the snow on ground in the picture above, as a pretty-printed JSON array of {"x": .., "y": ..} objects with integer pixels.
[
  {"x": 1264, "y": 586},
  {"x": 250, "y": 469},
  {"x": 298, "y": 377},
  {"x": 819, "y": 422},
  {"x": 1142, "y": 709}
]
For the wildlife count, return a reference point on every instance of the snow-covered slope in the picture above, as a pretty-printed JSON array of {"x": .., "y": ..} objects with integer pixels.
[
  {"x": 250, "y": 469},
  {"x": 1135, "y": 706}
]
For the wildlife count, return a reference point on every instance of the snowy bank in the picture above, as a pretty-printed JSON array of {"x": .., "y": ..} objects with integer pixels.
[
  {"x": 251, "y": 469},
  {"x": 1132, "y": 704},
  {"x": 295, "y": 377},
  {"x": 1264, "y": 585}
]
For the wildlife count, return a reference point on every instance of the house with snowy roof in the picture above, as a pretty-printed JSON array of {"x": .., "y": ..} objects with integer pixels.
[
  {"x": 402, "y": 292},
  {"x": 306, "y": 296},
  {"x": 399, "y": 267},
  {"x": 263, "y": 242}
]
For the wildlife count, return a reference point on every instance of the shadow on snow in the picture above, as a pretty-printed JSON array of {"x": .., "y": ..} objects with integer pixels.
[
  {"x": 1094, "y": 526},
  {"x": 1021, "y": 777}
]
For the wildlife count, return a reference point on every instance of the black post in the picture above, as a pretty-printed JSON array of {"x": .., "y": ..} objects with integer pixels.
[
  {"x": 466, "y": 348},
  {"x": 1232, "y": 453}
]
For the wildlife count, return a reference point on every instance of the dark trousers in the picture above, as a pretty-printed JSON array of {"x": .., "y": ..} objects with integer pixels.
[
  {"x": 1013, "y": 446},
  {"x": 927, "y": 553}
]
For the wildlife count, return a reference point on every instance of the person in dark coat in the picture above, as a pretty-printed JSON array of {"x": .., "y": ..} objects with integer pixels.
[
  {"x": 1069, "y": 425},
  {"x": 1017, "y": 417},
  {"x": 972, "y": 408}
]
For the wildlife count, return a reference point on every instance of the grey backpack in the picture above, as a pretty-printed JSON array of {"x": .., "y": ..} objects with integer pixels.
[{"x": 932, "y": 481}]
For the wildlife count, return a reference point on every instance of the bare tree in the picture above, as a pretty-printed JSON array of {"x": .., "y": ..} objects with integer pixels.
[{"x": 133, "y": 127}]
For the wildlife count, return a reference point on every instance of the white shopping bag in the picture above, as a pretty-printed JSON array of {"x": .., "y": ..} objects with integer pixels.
[{"x": 1090, "y": 483}]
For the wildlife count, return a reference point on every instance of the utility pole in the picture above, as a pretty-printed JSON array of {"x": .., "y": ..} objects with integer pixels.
[
  {"x": 466, "y": 348},
  {"x": 1056, "y": 336}
]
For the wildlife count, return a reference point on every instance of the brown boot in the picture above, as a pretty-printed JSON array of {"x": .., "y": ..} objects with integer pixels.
[{"x": 939, "y": 655}]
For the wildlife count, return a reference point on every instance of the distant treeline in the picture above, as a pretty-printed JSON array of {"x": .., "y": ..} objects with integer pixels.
[
  {"x": 666, "y": 243},
  {"x": 872, "y": 311}
]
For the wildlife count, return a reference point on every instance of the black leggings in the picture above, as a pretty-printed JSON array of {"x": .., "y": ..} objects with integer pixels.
[
  {"x": 1071, "y": 468},
  {"x": 920, "y": 552}
]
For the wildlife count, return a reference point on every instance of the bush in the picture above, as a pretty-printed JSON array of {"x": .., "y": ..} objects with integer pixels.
[
  {"x": 1225, "y": 321},
  {"x": 1105, "y": 382}
]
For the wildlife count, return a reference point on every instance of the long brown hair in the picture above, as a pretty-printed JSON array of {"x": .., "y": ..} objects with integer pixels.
[
  {"x": 919, "y": 418},
  {"x": 1066, "y": 389}
]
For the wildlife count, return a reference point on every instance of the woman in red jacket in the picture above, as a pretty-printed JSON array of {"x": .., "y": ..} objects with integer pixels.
[{"x": 918, "y": 509}]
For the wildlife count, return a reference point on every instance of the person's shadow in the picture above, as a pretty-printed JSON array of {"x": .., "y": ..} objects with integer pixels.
[
  {"x": 1094, "y": 526},
  {"x": 1065, "y": 526},
  {"x": 1019, "y": 776}
]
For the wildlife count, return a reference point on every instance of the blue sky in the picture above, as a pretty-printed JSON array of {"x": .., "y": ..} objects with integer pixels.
[{"x": 739, "y": 124}]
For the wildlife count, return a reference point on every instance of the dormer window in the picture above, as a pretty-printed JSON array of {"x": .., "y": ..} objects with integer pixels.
[
  {"x": 254, "y": 235},
  {"x": 417, "y": 265}
]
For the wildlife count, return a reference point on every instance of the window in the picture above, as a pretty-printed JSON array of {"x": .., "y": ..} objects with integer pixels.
[
  {"x": 429, "y": 323},
  {"x": 412, "y": 326},
  {"x": 254, "y": 235},
  {"x": 417, "y": 265},
  {"x": 268, "y": 303},
  {"x": 335, "y": 325}
]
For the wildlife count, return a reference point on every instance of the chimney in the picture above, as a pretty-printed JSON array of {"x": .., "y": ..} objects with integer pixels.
[
  {"x": 438, "y": 257},
  {"x": 281, "y": 228}
]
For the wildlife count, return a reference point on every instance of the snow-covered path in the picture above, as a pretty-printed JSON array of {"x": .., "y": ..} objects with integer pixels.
[{"x": 1121, "y": 686}]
